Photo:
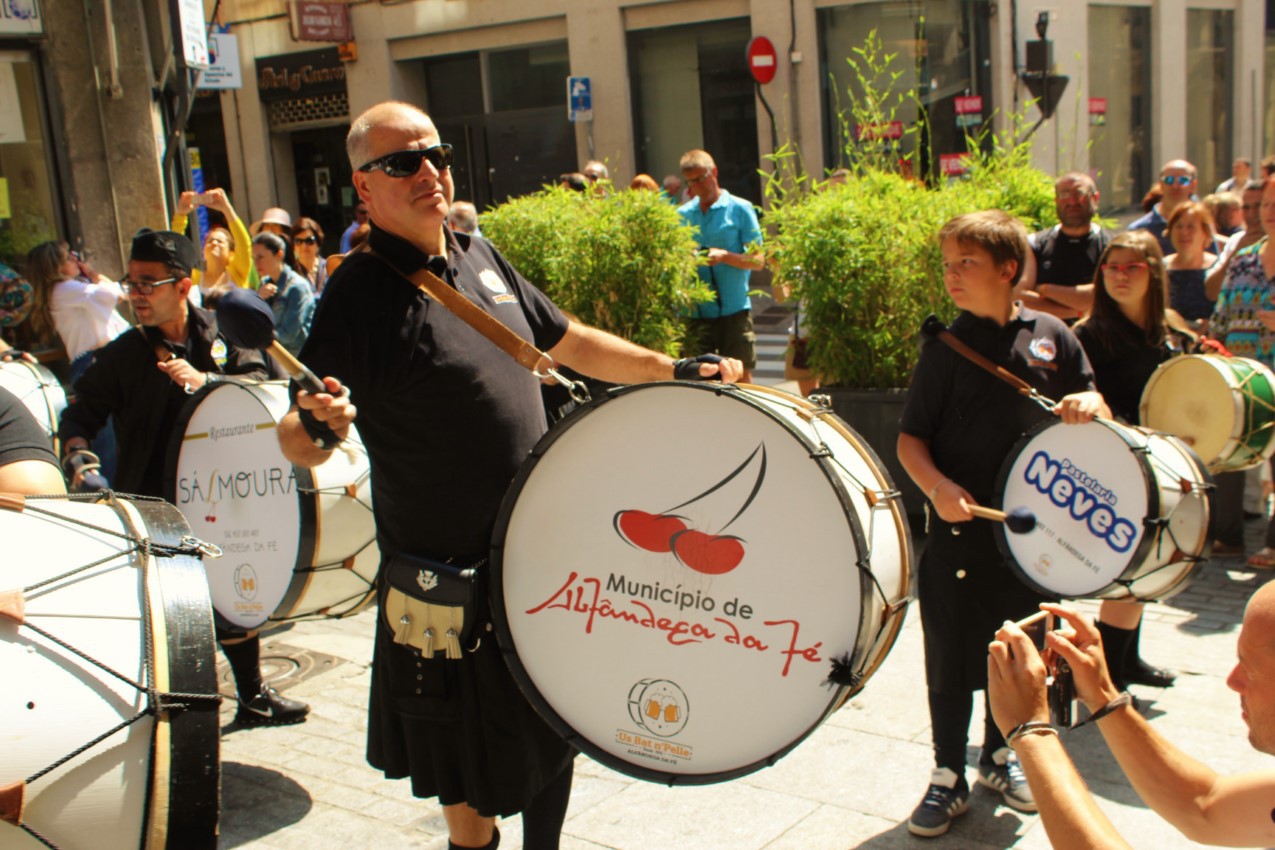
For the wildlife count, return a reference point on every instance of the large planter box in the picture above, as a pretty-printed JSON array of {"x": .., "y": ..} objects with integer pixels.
[{"x": 874, "y": 414}]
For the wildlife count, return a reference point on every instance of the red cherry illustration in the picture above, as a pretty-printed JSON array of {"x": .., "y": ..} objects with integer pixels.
[
  {"x": 711, "y": 554},
  {"x": 652, "y": 532}
]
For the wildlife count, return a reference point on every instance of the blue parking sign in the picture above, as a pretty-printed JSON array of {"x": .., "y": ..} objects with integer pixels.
[{"x": 579, "y": 99}]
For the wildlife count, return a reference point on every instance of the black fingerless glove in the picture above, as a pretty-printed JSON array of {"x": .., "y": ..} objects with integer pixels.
[{"x": 687, "y": 369}]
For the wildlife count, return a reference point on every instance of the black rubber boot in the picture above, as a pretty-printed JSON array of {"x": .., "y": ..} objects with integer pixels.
[
  {"x": 1115, "y": 644},
  {"x": 1140, "y": 672}
]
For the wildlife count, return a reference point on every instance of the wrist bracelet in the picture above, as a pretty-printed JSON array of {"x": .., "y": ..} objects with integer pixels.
[
  {"x": 936, "y": 487},
  {"x": 1024, "y": 728},
  {"x": 1040, "y": 730},
  {"x": 1119, "y": 702}
]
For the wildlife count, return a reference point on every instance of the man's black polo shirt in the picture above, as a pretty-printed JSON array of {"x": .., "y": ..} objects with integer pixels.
[
  {"x": 447, "y": 418},
  {"x": 1068, "y": 260}
]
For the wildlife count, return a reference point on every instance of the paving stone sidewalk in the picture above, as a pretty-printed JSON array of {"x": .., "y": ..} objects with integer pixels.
[{"x": 852, "y": 784}]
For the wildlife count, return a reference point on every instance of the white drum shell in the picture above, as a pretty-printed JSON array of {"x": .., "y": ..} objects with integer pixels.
[
  {"x": 810, "y": 521},
  {"x": 1138, "y": 478},
  {"x": 297, "y": 542}
]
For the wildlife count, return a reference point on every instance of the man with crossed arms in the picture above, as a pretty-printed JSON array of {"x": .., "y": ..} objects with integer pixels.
[{"x": 1208, "y": 808}]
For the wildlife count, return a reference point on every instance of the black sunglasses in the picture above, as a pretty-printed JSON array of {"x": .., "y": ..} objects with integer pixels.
[
  {"x": 305, "y": 240},
  {"x": 408, "y": 163}
]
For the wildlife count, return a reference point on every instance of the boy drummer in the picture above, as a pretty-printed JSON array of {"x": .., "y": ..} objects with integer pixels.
[{"x": 959, "y": 424}]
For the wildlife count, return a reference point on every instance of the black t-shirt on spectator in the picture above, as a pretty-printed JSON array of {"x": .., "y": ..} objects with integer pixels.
[
  {"x": 21, "y": 437},
  {"x": 1068, "y": 260}
]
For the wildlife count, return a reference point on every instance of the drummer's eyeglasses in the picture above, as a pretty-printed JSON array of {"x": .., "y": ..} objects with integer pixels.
[
  {"x": 144, "y": 287},
  {"x": 408, "y": 163},
  {"x": 1180, "y": 179},
  {"x": 1124, "y": 269}
]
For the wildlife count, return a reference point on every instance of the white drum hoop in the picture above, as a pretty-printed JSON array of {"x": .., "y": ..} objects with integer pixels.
[
  {"x": 310, "y": 490},
  {"x": 176, "y": 687},
  {"x": 1153, "y": 528},
  {"x": 881, "y": 613}
]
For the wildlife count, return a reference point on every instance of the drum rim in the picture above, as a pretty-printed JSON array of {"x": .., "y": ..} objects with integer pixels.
[
  {"x": 504, "y": 635},
  {"x": 194, "y": 734},
  {"x": 1136, "y": 557},
  {"x": 307, "y": 533}
]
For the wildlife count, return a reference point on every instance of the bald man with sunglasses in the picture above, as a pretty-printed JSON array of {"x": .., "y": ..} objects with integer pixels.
[
  {"x": 447, "y": 418},
  {"x": 1178, "y": 181}
]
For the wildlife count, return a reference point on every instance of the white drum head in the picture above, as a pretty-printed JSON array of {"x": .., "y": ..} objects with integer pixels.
[
  {"x": 38, "y": 390},
  {"x": 239, "y": 492},
  {"x": 679, "y": 625},
  {"x": 1090, "y": 495},
  {"x": 1192, "y": 399}
]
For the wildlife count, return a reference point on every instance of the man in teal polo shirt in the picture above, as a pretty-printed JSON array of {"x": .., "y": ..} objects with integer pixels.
[{"x": 730, "y": 241}]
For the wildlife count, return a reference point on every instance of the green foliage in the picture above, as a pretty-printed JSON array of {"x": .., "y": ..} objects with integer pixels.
[
  {"x": 624, "y": 263},
  {"x": 863, "y": 257}
]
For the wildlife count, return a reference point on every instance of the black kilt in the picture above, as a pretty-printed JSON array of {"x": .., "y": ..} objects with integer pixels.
[
  {"x": 461, "y": 730},
  {"x": 960, "y": 614}
]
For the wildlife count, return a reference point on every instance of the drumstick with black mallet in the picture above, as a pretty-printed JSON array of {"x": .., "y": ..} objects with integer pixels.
[
  {"x": 1018, "y": 520},
  {"x": 247, "y": 321}
]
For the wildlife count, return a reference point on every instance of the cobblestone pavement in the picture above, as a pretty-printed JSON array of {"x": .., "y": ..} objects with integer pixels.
[{"x": 853, "y": 783}]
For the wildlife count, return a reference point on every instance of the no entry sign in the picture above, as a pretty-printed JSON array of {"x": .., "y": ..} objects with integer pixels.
[{"x": 762, "y": 59}]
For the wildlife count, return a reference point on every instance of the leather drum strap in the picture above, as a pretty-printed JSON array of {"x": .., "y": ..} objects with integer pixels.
[
  {"x": 527, "y": 355},
  {"x": 933, "y": 327}
]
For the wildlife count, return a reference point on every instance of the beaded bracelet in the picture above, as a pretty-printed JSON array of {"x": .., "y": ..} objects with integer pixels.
[
  {"x": 1023, "y": 728},
  {"x": 1119, "y": 702}
]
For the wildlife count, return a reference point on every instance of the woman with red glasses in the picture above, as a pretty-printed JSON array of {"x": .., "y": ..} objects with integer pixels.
[
  {"x": 1126, "y": 336},
  {"x": 307, "y": 240},
  {"x": 1244, "y": 321}
]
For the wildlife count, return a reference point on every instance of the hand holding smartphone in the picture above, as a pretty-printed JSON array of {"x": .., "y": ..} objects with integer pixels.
[{"x": 1059, "y": 685}]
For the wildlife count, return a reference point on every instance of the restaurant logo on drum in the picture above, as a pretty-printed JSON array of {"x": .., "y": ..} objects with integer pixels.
[
  {"x": 659, "y": 706},
  {"x": 246, "y": 582},
  {"x": 1083, "y": 497},
  {"x": 215, "y": 433}
]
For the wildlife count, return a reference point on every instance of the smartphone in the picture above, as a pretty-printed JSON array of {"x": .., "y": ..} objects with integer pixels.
[
  {"x": 1036, "y": 627},
  {"x": 199, "y": 200}
]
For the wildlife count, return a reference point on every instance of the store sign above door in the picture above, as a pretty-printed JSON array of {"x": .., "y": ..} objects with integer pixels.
[
  {"x": 319, "y": 21},
  {"x": 291, "y": 76},
  {"x": 21, "y": 17}
]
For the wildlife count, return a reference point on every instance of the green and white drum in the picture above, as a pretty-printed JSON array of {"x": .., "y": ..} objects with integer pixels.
[{"x": 1223, "y": 407}]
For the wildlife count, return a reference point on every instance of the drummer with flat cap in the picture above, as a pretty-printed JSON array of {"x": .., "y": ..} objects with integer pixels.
[{"x": 141, "y": 380}]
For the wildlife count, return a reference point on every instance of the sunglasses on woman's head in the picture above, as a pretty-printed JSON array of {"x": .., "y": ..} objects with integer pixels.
[{"x": 408, "y": 163}]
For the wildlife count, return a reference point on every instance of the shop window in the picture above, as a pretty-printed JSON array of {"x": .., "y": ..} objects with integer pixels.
[
  {"x": 1210, "y": 57},
  {"x": 1120, "y": 72},
  {"x": 940, "y": 50},
  {"x": 692, "y": 89},
  {"x": 28, "y": 215}
]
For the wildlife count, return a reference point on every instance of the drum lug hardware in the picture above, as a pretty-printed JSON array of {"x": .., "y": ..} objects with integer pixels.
[
  {"x": 820, "y": 400},
  {"x": 203, "y": 547},
  {"x": 822, "y": 451}
]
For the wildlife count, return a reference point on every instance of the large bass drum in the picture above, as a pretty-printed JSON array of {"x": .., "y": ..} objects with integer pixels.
[
  {"x": 677, "y": 567},
  {"x": 108, "y": 715},
  {"x": 298, "y": 542}
]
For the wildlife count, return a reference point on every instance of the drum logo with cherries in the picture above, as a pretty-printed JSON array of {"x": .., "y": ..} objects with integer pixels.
[{"x": 651, "y": 581}]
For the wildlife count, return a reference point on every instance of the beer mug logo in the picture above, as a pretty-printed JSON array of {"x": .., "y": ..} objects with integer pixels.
[
  {"x": 246, "y": 582},
  {"x": 659, "y": 706}
]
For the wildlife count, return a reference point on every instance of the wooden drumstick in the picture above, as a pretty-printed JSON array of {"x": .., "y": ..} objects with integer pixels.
[{"x": 1019, "y": 520}]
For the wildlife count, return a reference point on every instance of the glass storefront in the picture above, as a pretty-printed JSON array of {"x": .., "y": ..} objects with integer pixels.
[
  {"x": 29, "y": 212},
  {"x": 1120, "y": 75},
  {"x": 1210, "y": 84},
  {"x": 692, "y": 89},
  {"x": 941, "y": 51},
  {"x": 505, "y": 113}
]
